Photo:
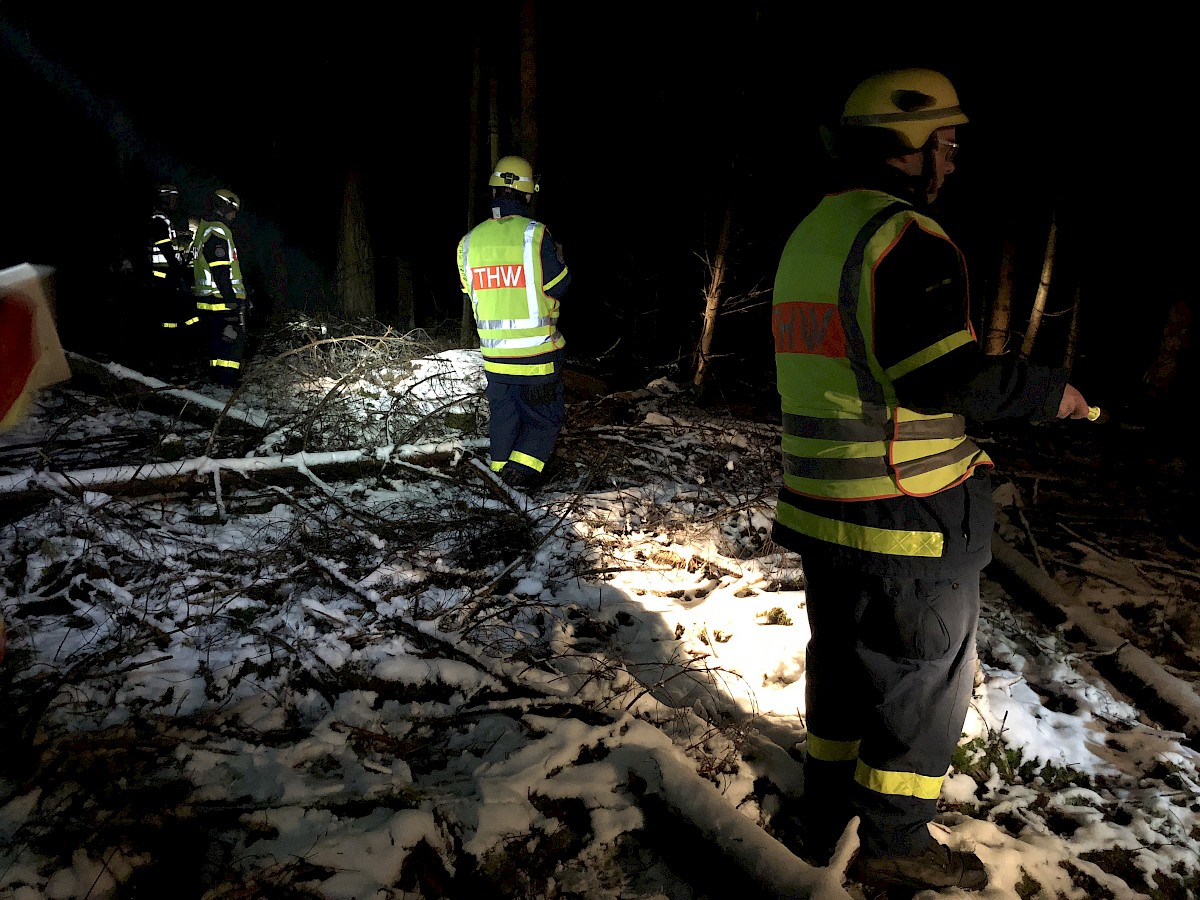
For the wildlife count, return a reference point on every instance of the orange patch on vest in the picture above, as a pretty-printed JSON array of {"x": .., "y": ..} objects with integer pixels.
[
  {"x": 813, "y": 328},
  {"x": 488, "y": 277}
]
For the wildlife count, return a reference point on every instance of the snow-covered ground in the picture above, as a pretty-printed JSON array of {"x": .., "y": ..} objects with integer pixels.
[{"x": 321, "y": 652}]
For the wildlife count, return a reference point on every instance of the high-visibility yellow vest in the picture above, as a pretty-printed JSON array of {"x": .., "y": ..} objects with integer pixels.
[
  {"x": 845, "y": 435},
  {"x": 500, "y": 266},
  {"x": 203, "y": 283}
]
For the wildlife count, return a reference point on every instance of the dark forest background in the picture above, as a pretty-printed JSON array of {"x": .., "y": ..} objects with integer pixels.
[{"x": 646, "y": 123}]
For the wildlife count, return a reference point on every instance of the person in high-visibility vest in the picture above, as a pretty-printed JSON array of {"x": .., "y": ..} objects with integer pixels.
[
  {"x": 884, "y": 496},
  {"x": 514, "y": 274},
  {"x": 218, "y": 289},
  {"x": 169, "y": 312}
]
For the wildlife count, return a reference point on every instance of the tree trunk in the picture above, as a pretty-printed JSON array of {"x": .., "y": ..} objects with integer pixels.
[
  {"x": 354, "y": 280},
  {"x": 1172, "y": 348},
  {"x": 467, "y": 335},
  {"x": 1073, "y": 335},
  {"x": 474, "y": 136},
  {"x": 1039, "y": 301},
  {"x": 1001, "y": 318},
  {"x": 494, "y": 153},
  {"x": 528, "y": 138},
  {"x": 712, "y": 298},
  {"x": 406, "y": 313}
]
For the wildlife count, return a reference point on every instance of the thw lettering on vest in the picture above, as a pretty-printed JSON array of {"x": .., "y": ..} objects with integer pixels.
[
  {"x": 489, "y": 277},
  {"x": 814, "y": 328}
]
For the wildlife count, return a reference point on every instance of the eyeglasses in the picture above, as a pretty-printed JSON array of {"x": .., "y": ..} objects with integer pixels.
[{"x": 951, "y": 148}]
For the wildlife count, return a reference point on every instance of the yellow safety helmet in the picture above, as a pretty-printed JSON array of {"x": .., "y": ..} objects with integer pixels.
[
  {"x": 514, "y": 172},
  {"x": 229, "y": 197},
  {"x": 911, "y": 103}
]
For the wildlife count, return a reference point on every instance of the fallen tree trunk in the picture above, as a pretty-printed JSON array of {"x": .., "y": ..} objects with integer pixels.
[
  {"x": 149, "y": 478},
  {"x": 1171, "y": 700},
  {"x": 678, "y": 803},
  {"x": 150, "y": 393}
]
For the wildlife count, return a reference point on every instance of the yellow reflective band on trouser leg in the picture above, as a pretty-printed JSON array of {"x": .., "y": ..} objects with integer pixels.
[
  {"x": 497, "y": 466},
  {"x": 526, "y": 460},
  {"x": 901, "y": 784},
  {"x": 225, "y": 363},
  {"x": 831, "y": 751}
]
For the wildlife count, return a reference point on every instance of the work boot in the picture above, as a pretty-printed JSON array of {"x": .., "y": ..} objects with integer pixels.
[
  {"x": 934, "y": 868},
  {"x": 520, "y": 477}
]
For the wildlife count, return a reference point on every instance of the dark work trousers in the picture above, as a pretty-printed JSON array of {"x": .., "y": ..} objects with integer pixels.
[
  {"x": 171, "y": 324},
  {"x": 890, "y": 664},
  {"x": 525, "y": 416},
  {"x": 224, "y": 346}
]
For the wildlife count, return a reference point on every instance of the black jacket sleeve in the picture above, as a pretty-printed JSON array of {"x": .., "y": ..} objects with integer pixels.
[
  {"x": 554, "y": 265},
  {"x": 921, "y": 299}
]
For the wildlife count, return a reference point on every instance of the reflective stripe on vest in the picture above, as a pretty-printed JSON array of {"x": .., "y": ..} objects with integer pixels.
[
  {"x": 845, "y": 435},
  {"x": 514, "y": 368},
  {"x": 860, "y": 537},
  {"x": 158, "y": 258},
  {"x": 513, "y": 315}
]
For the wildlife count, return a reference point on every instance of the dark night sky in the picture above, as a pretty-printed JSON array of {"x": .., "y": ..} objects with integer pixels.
[{"x": 641, "y": 108}]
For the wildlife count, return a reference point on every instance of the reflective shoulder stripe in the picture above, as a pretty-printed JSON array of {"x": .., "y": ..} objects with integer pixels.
[
  {"x": 899, "y": 784},
  {"x": 930, "y": 353},
  {"x": 860, "y": 537},
  {"x": 831, "y": 751},
  {"x": 533, "y": 278}
]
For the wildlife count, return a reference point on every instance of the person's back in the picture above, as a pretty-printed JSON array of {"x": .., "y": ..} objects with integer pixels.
[
  {"x": 514, "y": 275},
  {"x": 169, "y": 313},
  {"x": 218, "y": 290}
]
